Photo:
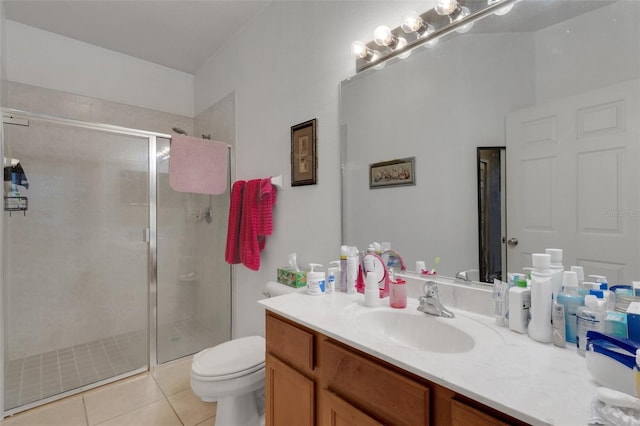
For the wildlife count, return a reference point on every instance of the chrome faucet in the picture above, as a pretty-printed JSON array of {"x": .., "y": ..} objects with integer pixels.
[
  {"x": 465, "y": 275},
  {"x": 430, "y": 302}
]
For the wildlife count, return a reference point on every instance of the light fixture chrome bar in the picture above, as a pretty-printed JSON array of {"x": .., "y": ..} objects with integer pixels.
[{"x": 442, "y": 25}]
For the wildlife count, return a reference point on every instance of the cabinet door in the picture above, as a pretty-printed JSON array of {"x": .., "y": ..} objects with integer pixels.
[
  {"x": 465, "y": 415},
  {"x": 338, "y": 412},
  {"x": 290, "y": 395}
]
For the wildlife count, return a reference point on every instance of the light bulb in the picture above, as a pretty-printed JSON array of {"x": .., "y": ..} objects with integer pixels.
[
  {"x": 360, "y": 50},
  {"x": 411, "y": 22},
  {"x": 382, "y": 36},
  {"x": 445, "y": 7}
]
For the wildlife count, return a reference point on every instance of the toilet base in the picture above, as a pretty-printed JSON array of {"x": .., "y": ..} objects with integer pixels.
[{"x": 240, "y": 410}]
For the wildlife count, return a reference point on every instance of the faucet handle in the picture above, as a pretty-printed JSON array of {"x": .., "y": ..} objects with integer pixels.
[{"x": 430, "y": 289}]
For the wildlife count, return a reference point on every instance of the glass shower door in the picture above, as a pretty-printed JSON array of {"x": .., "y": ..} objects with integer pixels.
[
  {"x": 76, "y": 262},
  {"x": 194, "y": 290}
]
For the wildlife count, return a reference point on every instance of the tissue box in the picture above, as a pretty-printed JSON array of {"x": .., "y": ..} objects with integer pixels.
[
  {"x": 292, "y": 278},
  {"x": 633, "y": 321}
]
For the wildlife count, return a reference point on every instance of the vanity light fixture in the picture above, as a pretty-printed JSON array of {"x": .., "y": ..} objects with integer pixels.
[{"x": 424, "y": 29}]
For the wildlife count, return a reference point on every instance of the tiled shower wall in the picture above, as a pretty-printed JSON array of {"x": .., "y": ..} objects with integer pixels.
[{"x": 186, "y": 245}]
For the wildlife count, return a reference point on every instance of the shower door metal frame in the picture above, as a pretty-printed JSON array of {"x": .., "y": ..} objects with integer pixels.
[{"x": 14, "y": 116}]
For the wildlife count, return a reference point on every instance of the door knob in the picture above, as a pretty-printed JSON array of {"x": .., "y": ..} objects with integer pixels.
[{"x": 513, "y": 241}]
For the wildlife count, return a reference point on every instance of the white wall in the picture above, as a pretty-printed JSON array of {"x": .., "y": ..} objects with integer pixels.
[
  {"x": 286, "y": 67},
  {"x": 44, "y": 59}
]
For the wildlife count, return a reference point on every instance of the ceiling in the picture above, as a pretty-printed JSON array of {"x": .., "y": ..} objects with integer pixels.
[{"x": 179, "y": 34}]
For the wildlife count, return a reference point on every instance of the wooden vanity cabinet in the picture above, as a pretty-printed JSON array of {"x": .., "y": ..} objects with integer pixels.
[{"x": 312, "y": 379}]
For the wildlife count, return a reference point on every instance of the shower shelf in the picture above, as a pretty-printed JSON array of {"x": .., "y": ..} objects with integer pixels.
[{"x": 16, "y": 204}]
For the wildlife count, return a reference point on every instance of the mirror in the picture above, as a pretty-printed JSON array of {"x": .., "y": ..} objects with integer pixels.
[
  {"x": 492, "y": 253},
  {"x": 546, "y": 73}
]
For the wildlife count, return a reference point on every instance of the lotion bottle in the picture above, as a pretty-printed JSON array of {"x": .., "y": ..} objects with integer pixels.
[
  {"x": 571, "y": 300},
  {"x": 519, "y": 304},
  {"x": 540, "y": 328},
  {"x": 315, "y": 280},
  {"x": 333, "y": 275},
  {"x": 590, "y": 317}
]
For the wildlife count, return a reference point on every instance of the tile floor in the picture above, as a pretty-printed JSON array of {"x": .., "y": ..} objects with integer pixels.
[
  {"x": 43, "y": 375},
  {"x": 158, "y": 398}
]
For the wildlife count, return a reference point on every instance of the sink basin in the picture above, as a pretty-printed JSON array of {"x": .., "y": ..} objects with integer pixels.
[{"x": 417, "y": 331}]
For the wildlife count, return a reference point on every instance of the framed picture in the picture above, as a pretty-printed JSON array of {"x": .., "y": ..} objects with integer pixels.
[
  {"x": 393, "y": 173},
  {"x": 304, "y": 157}
]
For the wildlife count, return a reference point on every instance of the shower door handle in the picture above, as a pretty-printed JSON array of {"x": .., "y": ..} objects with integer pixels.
[{"x": 146, "y": 235}]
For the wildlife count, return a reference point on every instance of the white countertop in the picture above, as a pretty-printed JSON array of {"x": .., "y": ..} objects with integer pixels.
[{"x": 534, "y": 382}]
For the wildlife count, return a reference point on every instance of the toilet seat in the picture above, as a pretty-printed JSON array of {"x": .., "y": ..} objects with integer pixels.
[{"x": 229, "y": 360}]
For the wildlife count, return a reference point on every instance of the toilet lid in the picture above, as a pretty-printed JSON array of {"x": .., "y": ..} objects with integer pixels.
[{"x": 230, "y": 358}]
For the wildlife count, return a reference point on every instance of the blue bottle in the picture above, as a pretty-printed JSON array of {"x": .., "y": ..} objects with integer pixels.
[{"x": 572, "y": 300}]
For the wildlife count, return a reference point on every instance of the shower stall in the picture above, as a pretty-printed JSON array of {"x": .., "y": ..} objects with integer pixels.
[{"x": 106, "y": 270}]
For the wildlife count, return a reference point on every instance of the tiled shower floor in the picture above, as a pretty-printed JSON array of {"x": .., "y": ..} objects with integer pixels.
[{"x": 44, "y": 375}]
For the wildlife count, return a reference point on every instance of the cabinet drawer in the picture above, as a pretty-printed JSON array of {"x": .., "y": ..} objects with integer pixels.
[
  {"x": 378, "y": 391},
  {"x": 466, "y": 415},
  {"x": 290, "y": 343},
  {"x": 338, "y": 412}
]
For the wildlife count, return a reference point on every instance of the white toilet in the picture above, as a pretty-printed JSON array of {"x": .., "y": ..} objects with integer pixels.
[{"x": 232, "y": 373}]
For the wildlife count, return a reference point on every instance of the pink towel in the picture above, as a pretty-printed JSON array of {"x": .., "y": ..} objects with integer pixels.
[
  {"x": 232, "y": 253},
  {"x": 198, "y": 165},
  {"x": 250, "y": 221}
]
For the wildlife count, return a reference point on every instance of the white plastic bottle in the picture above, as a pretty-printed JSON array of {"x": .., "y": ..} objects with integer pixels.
[
  {"x": 556, "y": 270},
  {"x": 353, "y": 262},
  {"x": 333, "y": 275},
  {"x": 519, "y": 304},
  {"x": 371, "y": 292},
  {"x": 315, "y": 280},
  {"x": 540, "y": 328},
  {"x": 590, "y": 317}
]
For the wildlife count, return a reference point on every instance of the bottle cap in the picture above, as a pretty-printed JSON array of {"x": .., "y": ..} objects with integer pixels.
[
  {"x": 580, "y": 271},
  {"x": 541, "y": 260},
  {"x": 344, "y": 252},
  {"x": 597, "y": 293},
  {"x": 521, "y": 283},
  {"x": 556, "y": 255},
  {"x": 570, "y": 279}
]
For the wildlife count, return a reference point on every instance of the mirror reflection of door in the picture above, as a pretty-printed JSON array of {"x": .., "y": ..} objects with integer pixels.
[
  {"x": 573, "y": 180},
  {"x": 491, "y": 204}
]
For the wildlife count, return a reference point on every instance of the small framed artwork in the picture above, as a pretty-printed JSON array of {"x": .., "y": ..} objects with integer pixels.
[
  {"x": 392, "y": 173},
  {"x": 304, "y": 157}
]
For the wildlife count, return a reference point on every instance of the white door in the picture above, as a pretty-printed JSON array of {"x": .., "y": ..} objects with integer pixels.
[{"x": 573, "y": 182}]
